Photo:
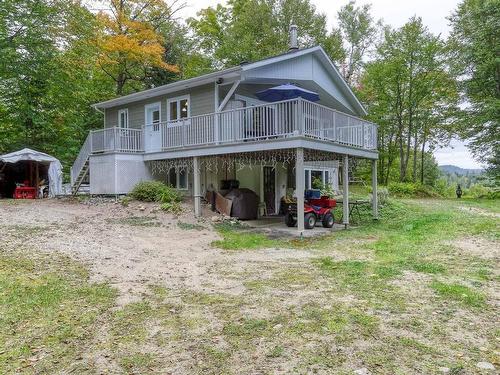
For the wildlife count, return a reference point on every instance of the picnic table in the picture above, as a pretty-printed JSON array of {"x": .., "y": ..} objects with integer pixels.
[{"x": 354, "y": 206}]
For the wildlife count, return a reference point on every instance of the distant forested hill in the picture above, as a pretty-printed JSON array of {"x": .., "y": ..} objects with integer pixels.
[
  {"x": 460, "y": 171},
  {"x": 461, "y": 176}
]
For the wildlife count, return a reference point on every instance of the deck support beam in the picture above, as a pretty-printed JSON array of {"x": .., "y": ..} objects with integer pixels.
[
  {"x": 345, "y": 184},
  {"x": 196, "y": 186},
  {"x": 299, "y": 187},
  {"x": 374, "y": 190},
  {"x": 229, "y": 95}
]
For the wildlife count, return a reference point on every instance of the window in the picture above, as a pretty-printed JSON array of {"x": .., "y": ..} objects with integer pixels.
[
  {"x": 123, "y": 118},
  {"x": 317, "y": 178},
  {"x": 182, "y": 180},
  {"x": 178, "y": 179},
  {"x": 178, "y": 108}
]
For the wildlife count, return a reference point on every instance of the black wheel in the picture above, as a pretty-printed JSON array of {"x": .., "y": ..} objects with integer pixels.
[
  {"x": 309, "y": 220},
  {"x": 328, "y": 220},
  {"x": 289, "y": 220}
]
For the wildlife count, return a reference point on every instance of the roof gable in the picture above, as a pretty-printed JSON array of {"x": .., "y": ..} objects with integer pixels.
[{"x": 312, "y": 64}]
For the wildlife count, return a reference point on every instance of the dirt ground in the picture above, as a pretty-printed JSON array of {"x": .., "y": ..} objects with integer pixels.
[
  {"x": 131, "y": 247},
  {"x": 386, "y": 300}
]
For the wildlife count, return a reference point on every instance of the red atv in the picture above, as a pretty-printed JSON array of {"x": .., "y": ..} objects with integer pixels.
[{"x": 314, "y": 210}]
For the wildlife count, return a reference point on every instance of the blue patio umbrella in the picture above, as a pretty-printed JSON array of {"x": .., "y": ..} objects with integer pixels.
[{"x": 285, "y": 92}]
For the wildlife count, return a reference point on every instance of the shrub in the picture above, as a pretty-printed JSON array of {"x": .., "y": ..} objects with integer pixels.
[
  {"x": 444, "y": 189},
  {"x": 478, "y": 191},
  {"x": 402, "y": 189},
  {"x": 125, "y": 201},
  {"x": 155, "y": 191},
  {"x": 382, "y": 195},
  {"x": 409, "y": 189},
  {"x": 172, "y": 207},
  {"x": 425, "y": 191},
  {"x": 327, "y": 191},
  {"x": 492, "y": 195}
]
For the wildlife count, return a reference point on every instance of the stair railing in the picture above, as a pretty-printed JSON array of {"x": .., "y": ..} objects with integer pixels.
[{"x": 81, "y": 159}]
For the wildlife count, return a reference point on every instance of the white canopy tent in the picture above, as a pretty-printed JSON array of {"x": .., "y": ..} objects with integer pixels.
[{"x": 55, "y": 168}]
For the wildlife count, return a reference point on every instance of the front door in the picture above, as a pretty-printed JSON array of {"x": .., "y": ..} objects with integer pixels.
[
  {"x": 270, "y": 189},
  {"x": 152, "y": 129}
]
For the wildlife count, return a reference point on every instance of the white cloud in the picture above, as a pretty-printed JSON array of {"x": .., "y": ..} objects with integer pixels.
[
  {"x": 395, "y": 13},
  {"x": 457, "y": 154}
]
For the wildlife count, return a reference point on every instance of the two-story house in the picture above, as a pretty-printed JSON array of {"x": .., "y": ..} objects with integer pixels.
[{"x": 197, "y": 132}]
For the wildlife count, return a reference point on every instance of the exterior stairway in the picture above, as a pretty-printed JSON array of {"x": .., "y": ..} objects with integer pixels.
[{"x": 81, "y": 166}]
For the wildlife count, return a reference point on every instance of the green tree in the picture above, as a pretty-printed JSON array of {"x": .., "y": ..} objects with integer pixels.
[
  {"x": 249, "y": 30},
  {"x": 358, "y": 32},
  {"x": 48, "y": 77},
  {"x": 475, "y": 41},
  {"x": 411, "y": 95},
  {"x": 27, "y": 61}
]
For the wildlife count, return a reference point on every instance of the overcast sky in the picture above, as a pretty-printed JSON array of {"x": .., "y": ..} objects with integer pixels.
[{"x": 395, "y": 13}]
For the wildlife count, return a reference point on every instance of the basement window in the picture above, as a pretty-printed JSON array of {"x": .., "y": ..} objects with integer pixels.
[
  {"x": 178, "y": 179},
  {"x": 316, "y": 178}
]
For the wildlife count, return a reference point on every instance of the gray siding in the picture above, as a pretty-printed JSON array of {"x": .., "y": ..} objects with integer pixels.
[{"x": 202, "y": 102}]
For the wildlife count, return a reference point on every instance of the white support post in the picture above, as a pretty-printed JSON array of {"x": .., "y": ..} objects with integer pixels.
[
  {"x": 196, "y": 186},
  {"x": 363, "y": 135},
  {"x": 301, "y": 118},
  {"x": 374, "y": 190},
  {"x": 183, "y": 128},
  {"x": 216, "y": 114},
  {"x": 299, "y": 187},
  {"x": 345, "y": 183}
]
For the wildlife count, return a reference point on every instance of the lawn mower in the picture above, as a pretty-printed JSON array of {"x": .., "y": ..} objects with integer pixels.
[{"x": 319, "y": 209}]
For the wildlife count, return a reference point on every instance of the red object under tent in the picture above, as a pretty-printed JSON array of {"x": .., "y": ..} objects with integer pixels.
[{"x": 24, "y": 192}]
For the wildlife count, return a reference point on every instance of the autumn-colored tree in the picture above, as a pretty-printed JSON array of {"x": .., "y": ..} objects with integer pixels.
[{"x": 129, "y": 42}]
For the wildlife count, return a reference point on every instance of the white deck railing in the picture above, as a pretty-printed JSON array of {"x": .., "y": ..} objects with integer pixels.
[
  {"x": 284, "y": 119},
  {"x": 117, "y": 139},
  {"x": 268, "y": 121}
]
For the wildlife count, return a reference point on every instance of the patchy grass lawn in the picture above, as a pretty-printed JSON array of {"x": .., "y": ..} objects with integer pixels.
[
  {"x": 397, "y": 296},
  {"x": 48, "y": 312}
]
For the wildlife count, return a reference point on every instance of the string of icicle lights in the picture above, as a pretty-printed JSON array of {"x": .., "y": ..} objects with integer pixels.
[{"x": 274, "y": 158}]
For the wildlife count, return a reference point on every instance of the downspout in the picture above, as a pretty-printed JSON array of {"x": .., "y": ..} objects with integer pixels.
[{"x": 101, "y": 112}]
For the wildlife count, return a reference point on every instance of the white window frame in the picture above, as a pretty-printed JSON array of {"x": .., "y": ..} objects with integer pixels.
[
  {"x": 120, "y": 112},
  {"x": 149, "y": 106},
  {"x": 178, "y": 99},
  {"x": 308, "y": 184},
  {"x": 177, "y": 179}
]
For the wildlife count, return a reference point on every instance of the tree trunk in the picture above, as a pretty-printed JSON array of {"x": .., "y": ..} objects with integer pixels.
[
  {"x": 120, "y": 83},
  {"x": 422, "y": 159},
  {"x": 389, "y": 165},
  {"x": 415, "y": 148}
]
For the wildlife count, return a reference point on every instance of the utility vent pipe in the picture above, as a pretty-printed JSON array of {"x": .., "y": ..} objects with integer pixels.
[{"x": 294, "y": 43}]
